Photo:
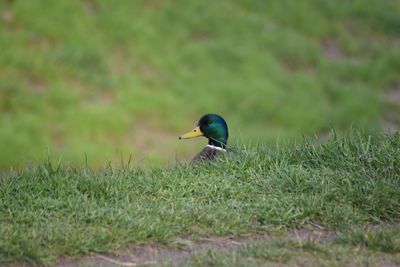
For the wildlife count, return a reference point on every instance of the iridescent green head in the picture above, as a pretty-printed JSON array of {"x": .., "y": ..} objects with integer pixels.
[{"x": 213, "y": 127}]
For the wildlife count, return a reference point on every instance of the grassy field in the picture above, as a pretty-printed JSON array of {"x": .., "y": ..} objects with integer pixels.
[
  {"x": 342, "y": 186},
  {"x": 101, "y": 79},
  {"x": 88, "y": 82}
]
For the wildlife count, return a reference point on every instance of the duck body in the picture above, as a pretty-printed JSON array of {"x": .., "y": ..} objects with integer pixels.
[
  {"x": 209, "y": 152},
  {"x": 215, "y": 129}
]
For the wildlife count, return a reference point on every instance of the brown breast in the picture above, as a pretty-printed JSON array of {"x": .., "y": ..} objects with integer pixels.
[{"x": 208, "y": 153}]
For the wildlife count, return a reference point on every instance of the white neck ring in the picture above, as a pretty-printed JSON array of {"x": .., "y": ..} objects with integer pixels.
[{"x": 217, "y": 148}]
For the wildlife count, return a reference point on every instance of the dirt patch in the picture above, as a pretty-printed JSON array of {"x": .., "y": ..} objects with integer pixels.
[
  {"x": 308, "y": 234},
  {"x": 293, "y": 66},
  {"x": 331, "y": 49},
  {"x": 7, "y": 16},
  {"x": 334, "y": 52},
  {"x": 200, "y": 35},
  {"x": 183, "y": 248},
  {"x": 90, "y": 6},
  {"x": 393, "y": 95},
  {"x": 153, "y": 4},
  {"x": 151, "y": 254},
  {"x": 37, "y": 85}
]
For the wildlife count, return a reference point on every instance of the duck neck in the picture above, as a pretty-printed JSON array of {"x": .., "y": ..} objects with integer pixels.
[{"x": 218, "y": 143}]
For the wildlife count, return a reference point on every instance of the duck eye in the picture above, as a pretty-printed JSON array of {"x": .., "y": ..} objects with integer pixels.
[{"x": 209, "y": 122}]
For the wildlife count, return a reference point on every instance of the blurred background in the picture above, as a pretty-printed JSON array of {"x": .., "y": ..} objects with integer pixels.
[{"x": 103, "y": 79}]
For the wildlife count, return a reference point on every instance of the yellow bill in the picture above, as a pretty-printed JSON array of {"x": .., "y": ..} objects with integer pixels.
[{"x": 195, "y": 133}]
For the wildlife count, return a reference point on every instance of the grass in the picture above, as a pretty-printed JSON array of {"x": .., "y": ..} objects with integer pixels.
[
  {"x": 385, "y": 240},
  {"x": 293, "y": 252},
  {"x": 53, "y": 210},
  {"x": 98, "y": 78},
  {"x": 361, "y": 246}
]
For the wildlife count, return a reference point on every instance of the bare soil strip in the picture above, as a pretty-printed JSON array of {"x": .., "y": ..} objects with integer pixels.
[{"x": 184, "y": 248}]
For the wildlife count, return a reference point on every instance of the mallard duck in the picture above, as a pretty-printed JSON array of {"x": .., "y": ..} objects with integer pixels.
[{"x": 213, "y": 127}]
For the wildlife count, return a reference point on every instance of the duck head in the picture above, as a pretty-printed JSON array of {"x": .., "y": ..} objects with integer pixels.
[{"x": 213, "y": 127}]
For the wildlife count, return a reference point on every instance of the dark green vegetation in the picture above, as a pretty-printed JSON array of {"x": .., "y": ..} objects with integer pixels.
[
  {"x": 96, "y": 76},
  {"x": 351, "y": 181}
]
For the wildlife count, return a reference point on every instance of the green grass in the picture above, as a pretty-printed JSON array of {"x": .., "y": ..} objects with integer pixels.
[
  {"x": 248, "y": 255},
  {"x": 51, "y": 210},
  {"x": 294, "y": 252},
  {"x": 361, "y": 246},
  {"x": 386, "y": 239},
  {"x": 102, "y": 78}
]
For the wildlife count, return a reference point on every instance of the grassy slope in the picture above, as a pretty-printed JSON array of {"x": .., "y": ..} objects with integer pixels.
[
  {"x": 98, "y": 76},
  {"x": 51, "y": 210}
]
